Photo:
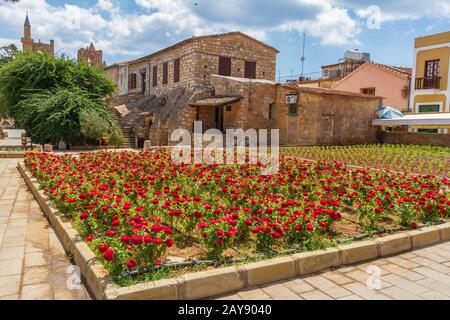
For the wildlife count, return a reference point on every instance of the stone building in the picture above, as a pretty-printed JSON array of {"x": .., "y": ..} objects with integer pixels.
[
  {"x": 91, "y": 56},
  {"x": 191, "y": 63},
  {"x": 227, "y": 81},
  {"x": 29, "y": 45},
  {"x": 311, "y": 116}
]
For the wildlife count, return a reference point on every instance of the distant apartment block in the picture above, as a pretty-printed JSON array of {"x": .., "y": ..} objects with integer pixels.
[{"x": 431, "y": 77}]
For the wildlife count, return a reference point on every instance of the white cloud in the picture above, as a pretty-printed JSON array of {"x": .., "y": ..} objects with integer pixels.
[
  {"x": 158, "y": 23},
  {"x": 105, "y": 5}
]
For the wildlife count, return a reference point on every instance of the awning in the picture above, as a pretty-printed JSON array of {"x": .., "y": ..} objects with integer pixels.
[
  {"x": 215, "y": 101},
  {"x": 421, "y": 120}
]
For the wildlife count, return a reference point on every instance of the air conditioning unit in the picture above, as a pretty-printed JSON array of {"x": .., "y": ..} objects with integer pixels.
[{"x": 292, "y": 99}]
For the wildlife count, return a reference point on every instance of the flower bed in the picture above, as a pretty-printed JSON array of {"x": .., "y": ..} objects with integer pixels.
[
  {"x": 133, "y": 209},
  {"x": 408, "y": 158}
]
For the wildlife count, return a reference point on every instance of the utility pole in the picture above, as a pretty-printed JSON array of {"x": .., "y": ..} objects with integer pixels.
[{"x": 303, "y": 58}]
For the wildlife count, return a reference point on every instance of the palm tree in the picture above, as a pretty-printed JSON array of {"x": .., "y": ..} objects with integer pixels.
[{"x": 405, "y": 92}]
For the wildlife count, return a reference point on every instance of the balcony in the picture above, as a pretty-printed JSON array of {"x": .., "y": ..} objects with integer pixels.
[{"x": 428, "y": 83}]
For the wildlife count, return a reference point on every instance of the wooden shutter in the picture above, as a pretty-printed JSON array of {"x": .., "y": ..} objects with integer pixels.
[
  {"x": 155, "y": 76},
  {"x": 250, "y": 70},
  {"x": 176, "y": 70},
  {"x": 132, "y": 81},
  {"x": 165, "y": 73},
  {"x": 225, "y": 66}
]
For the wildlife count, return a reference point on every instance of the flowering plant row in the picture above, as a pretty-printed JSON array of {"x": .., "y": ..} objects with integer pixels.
[{"x": 132, "y": 208}]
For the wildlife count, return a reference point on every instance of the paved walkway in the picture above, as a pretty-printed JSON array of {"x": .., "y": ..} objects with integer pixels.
[
  {"x": 422, "y": 274},
  {"x": 33, "y": 264}
]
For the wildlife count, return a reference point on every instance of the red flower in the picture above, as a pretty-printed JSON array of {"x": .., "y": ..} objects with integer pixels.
[
  {"x": 157, "y": 262},
  {"x": 414, "y": 225},
  {"x": 202, "y": 225},
  {"x": 103, "y": 248},
  {"x": 148, "y": 240},
  {"x": 131, "y": 264},
  {"x": 89, "y": 238},
  {"x": 125, "y": 239},
  {"x": 219, "y": 233},
  {"x": 83, "y": 216},
  {"x": 169, "y": 243},
  {"x": 115, "y": 223},
  {"x": 137, "y": 240},
  {"x": 309, "y": 227},
  {"x": 109, "y": 255}
]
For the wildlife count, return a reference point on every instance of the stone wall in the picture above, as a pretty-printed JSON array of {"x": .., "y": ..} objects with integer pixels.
[
  {"x": 91, "y": 56},
  {"x": 414, "y": 138},
  {"x": 322, "y": 119},
  {"x": 199, "y": 59}
]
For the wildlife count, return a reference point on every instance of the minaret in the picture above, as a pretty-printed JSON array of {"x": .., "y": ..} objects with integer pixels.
[{"x": 27, "y": 41}]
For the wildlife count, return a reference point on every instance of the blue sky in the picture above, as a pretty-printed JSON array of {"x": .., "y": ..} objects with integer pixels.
[{"x": 128, "y": 29}]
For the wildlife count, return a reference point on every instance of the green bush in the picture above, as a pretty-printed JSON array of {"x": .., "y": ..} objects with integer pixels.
[
  {"x": 62, "y": 115},
  {"x": 55, "y": 99}
]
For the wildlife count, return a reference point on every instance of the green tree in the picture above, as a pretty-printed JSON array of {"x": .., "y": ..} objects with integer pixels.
[
  {"x": 36, "y": 72},
  {"x": 115, "y": 137},
  {"x": 49, "y": 117},
  {"x": 8, "y": 53},
  {"x": 94, "y": 126}
]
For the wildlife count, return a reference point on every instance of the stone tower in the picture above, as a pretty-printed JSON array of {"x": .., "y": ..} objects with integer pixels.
[
  {"x": 91, "y": 56},
  {"x": 28, "y": 44}
]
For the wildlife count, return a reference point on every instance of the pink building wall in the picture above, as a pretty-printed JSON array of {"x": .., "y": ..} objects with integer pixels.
[{"x": 386, "y": 83}]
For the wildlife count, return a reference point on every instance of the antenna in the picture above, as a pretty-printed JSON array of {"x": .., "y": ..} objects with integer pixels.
[{"x": 303, "y": 58}]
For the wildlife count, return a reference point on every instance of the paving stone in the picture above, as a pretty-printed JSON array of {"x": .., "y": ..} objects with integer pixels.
[
  {"x": 231, "y": 297},
  {"x": 9, "y": 285},
  {"x": 18, "y": 222},
  {"x": 405, "y": 263},
  {"x": 352, "y": 297},
  {"x": 280, "y": 292},
  {"x": 432, "y": 256},
  {"x": 403, "y": 272},
  {"x": 36, "y": 275},
  {"x": 431, "y": 264},
  {"x": 36, "y": 292},
  {"x": 254, "y": 294},
  {"x": 298, "y": 286},
  {"x": 405, "y": 284},
  {"x": 397, "y": 293},
  {"x": 429, "y": 273},
  {"x": 315, "y": 295},
  {"x": 11, "y": 253},
  {"x": 337, "y": 278},
  {"x": 365, "y": 292},
  {"x": 13, "y": 241},
  {"x": 11, "y": 267},
  {"x": 434, "y": 295},
  {"x": 67, "y": 294},
  {"x": 12, "y": 297},
  {"x": 36, "y": 259}
]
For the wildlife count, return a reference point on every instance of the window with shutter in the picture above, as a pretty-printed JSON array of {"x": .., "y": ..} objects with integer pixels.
[
  {"x": 225, "y": 66},
  {"x": 165, "y": 73},
  {"x": 250, "y": 70},
  {"x": 132, "y": 81},
  {"x": 155, "y": 76},
  {"x": 176, "y": 71}
]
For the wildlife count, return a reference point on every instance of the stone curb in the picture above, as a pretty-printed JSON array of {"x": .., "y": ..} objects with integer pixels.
[
  {"x": 12, "y": 155},
  {"x": 221, "y": 281}
]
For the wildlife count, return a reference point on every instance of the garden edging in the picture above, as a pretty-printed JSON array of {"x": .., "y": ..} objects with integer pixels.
[{"x": 225, "y": 280}]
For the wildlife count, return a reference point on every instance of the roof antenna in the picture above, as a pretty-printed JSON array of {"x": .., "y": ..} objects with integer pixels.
[{"x": 303, "y": 58}]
